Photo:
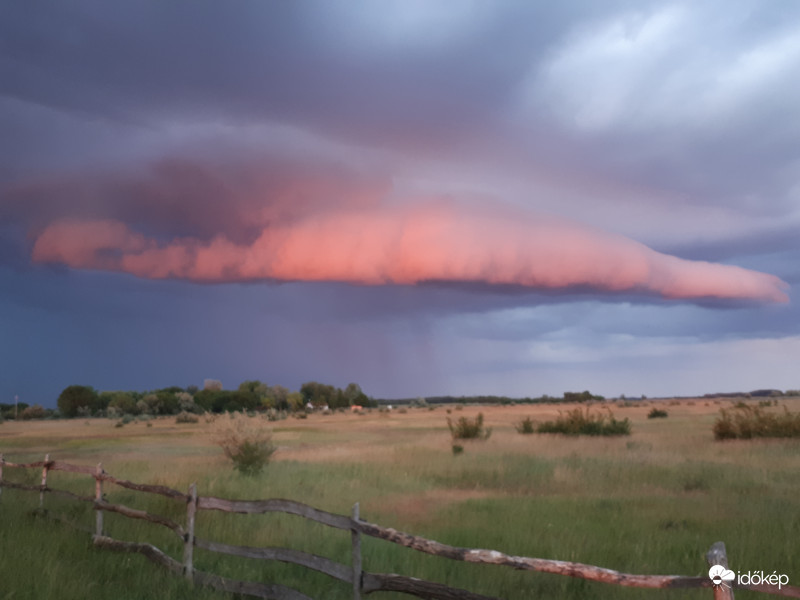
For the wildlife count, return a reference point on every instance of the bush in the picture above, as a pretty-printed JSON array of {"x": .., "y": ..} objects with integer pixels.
[
  {"x": 525, "y": 426},
  {"x": 579, "y": 422},
  {"x": 747, "y": 422},
  {"x": 469, "y": 429},
  {"x": 186, "y": 417},
  {"x": 457, "y": 449},
  {"x": 657, "y": 413},
  {"x": 246, "y": 442}
]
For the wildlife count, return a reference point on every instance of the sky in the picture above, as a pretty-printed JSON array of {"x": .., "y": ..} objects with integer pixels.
[{"x": 423, "y": 197}]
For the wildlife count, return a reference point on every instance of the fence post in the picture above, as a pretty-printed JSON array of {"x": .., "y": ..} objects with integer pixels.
[
  {"x": 2, "y": 461},
  {"x": 355, "y": 535},
  {"x": 717, "y": 556},
  {"x": 98, "y": 497},
  {"x": 188, "y": 545},
  {"x": 44, "y": 480}
]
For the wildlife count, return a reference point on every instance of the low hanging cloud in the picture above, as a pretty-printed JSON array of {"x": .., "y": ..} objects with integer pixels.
[{"x": 438, "y": 241}]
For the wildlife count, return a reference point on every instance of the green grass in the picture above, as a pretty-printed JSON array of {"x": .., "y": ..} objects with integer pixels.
[{"x": 651, "y": 503}]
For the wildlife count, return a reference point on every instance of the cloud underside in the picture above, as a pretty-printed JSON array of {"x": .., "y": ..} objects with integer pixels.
[{"x": 409, "y": 245}]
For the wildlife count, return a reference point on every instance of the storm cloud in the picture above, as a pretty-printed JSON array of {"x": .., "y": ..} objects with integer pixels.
[{"x": 594, "y": 170}]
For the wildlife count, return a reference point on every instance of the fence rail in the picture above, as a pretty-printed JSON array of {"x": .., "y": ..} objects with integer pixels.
[{"x": 362, "y": 581}]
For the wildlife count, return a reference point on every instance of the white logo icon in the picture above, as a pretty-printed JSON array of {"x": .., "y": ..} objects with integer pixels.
[{"x": 719, "y": 575}]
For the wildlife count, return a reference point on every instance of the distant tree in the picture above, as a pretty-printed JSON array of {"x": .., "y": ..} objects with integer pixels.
[
  {"x": 352, "y": 392},
  {"x": 104, "y": 400},
  {"x": 340, "y": 400},
  {"x": 212, "y": 384},
  {"x": 241, "y": 401},
  {"x": 76, "y": 397},
  {"x": 152, "y": 404},
  {"x": 585, "y": 396},
  {"x": 254, "y": 387},
  {"x": 187, "y": 404},
  {"x": 168, "y": 400},
  {"x": 295, "y": 401},
  {"x": 318, "y": 394},
  {"x": 172, "y": 389},
  {"x": 123, "y": 403},
  {"x": 192, "y": 389},
  {"x": 33, "y": 412},
  {"x": 227, "y": 401},
  {"x": 205, "y": 399},
  {"x": 277, "y": 397}
]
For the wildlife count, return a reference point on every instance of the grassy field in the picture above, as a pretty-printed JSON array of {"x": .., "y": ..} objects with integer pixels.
[{"x": 651, "y": 503}]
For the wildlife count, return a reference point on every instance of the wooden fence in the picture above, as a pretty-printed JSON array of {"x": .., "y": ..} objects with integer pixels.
[{"x": 362, "y": 582}]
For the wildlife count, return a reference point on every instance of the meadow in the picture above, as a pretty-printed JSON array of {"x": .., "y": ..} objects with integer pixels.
[{"x": 652, "y": 502}]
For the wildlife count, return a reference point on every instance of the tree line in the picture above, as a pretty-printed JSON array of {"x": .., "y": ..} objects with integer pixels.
[{"x": 252, "y": 395}]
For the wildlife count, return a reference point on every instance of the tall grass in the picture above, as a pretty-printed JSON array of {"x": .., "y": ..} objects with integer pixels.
[{"x": 745, "y": 421}]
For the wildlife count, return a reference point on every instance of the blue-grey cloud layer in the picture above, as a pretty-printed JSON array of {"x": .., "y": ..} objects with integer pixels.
[{"x": 672, "y": 123}]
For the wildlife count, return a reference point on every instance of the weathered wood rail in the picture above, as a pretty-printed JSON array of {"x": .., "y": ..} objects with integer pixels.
[{"x": 361, "y": 581}]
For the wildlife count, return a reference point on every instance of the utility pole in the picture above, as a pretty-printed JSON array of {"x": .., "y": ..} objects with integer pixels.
[{"x": 16, "y": 407}]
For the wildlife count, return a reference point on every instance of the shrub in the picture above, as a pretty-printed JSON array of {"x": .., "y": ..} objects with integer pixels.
[
  {"x": 469, "y": 429},
  {"x": 525, "y": 426},
  {"x": 457, "y": 449},
  {"x": 246, "y": 442},
  {"x": 580, "y": 422},
  {"x": 185, "y": 417},
  {"x": 746, "y": 422},
  {"x": 657, "y": 413}
]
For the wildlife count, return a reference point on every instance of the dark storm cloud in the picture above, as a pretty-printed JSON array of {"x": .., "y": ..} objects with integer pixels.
[
  {"x": 319, "y": 64},
  {"x": 674, "y": 124},
  {"x": 609, "y": 92}
]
